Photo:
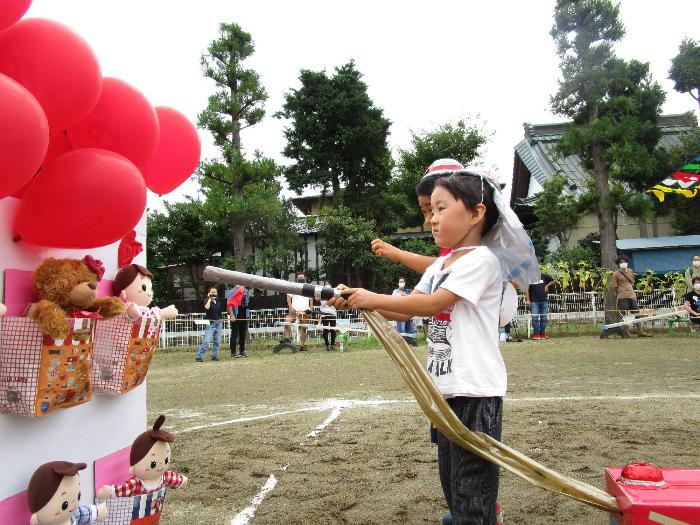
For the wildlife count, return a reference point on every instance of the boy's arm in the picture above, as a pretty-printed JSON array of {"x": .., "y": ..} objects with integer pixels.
[
  {"x": 417, "y": 263},
  {"x": 416, "y": 304}
]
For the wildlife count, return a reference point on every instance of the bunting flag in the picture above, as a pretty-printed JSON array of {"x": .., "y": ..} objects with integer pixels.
[{"x": 685, "y": 181}]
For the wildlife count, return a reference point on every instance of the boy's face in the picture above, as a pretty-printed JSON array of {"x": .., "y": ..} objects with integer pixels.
[
  {"x": 155, "y": 463},
  {"x": 452, "y": 221},
  {"x": 61, "y": 506},
  {"x": 425, "y": 207}
]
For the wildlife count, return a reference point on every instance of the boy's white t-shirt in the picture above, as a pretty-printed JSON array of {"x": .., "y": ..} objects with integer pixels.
[{"x": 463, "y": 354}]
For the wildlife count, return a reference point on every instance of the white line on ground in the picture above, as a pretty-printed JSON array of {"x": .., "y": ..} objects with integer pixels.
[
  {"x": 343, "y": 403},
  {"x": 251, "y": 418},
  {"x": 604, "y": 398},
  {"x": 335, "y": 413},
  {"x": 337, "y": 406},
  {"x": 243, "y": 517},
  {"x": 328, "y": 403}
]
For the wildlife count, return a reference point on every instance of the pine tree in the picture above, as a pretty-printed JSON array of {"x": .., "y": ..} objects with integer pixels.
[
  {"x": 614, "y": 106},
  {"x": 236, "y": 104}
]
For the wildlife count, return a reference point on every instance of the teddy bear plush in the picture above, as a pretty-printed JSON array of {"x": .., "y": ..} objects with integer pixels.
[{"x": 67, "y": 287}]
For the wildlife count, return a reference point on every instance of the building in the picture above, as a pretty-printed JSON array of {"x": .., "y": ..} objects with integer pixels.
[
  {"x": 536, "y": 160},
  {"x": 660, "y": 254}
]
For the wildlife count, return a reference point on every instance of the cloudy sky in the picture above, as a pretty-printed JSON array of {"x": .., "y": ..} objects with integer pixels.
[{"x": 425, "y": 63}]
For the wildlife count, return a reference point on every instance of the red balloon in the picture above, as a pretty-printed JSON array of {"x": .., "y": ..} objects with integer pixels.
[
  {"x": 56, "y": 65},
  {"x": 177, "y": 154},
  {"x": 82, "y": 199},
  {"x": 24, "y": 136},
  {"x": 59, "y": 143},
  {"x": 11, "y": 11},
  {"x": 123, "y": 121}
]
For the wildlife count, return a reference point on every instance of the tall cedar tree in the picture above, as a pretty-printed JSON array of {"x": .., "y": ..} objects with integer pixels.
[
  {"x": 236, "y": 104},
  {"x": 337, "y": 139},
  {"x": 685, "y": 69},
  {"x": 615, "y": 107}
]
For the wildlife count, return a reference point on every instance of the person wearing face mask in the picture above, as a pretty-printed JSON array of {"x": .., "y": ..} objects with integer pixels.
[
  {"x": 691, "y": 303},
  {"x": 212, "y": 309},
  {"x": 623, "y": 286},
  {"x": 328, "y": 318},
  {"x": 692, "y": 272},
  {"x": 405, "y": 328},
  {"x": 299, "y": 308}
]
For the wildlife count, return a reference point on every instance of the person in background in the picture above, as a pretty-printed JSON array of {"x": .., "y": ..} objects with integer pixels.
[
  {"x": 692, "y": 271},
  {"x": 623, "y": 286},
  {"x": 299, "y": 307},
  {"x": 239, "y": 314},
  {"x": 405, "y": 329},
  {"x": 212, "y": 312},
  {"x": 691, "y": 303},
  {"x": 536, "y": 299},
  {"x": 328, "y": 318}
]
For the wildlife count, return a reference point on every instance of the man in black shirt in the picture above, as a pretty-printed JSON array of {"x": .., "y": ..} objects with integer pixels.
[
  {"x": 212, "y": 312},
  {"x": 691, "y": 303},
  {"x": 536, "y": 299}
]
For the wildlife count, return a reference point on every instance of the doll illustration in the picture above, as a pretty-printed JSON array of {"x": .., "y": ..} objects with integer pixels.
[
  {"x": 54, "y": 493},
  {"x": 149, "y": 459},
  {"x": 133, "y": 285}
]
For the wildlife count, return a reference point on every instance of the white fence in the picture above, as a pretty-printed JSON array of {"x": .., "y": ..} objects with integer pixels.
[
  {"x": 187, "y": 330},
  {"x": 570, "y": 311}
]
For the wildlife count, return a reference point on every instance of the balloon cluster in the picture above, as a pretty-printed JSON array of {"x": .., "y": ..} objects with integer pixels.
[{"x": 78, "y": 148}]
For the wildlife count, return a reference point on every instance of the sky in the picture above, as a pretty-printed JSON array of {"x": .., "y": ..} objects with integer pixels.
[{"x": 425, "y": 63}]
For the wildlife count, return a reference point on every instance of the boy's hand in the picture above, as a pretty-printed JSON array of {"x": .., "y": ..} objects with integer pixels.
[
  {"x": 339, "y": 303},
  {"x": 384, "y": 249},
  {"x": 362, "y": 299}
]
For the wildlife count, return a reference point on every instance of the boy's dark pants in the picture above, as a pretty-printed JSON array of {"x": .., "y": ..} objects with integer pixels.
[{"x": 470, "y": 484}]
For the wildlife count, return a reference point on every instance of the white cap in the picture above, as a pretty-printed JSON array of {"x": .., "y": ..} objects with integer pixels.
[{"x": 443, "y": 167}]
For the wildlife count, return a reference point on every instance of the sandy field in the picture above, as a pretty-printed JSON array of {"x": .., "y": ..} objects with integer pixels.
[{"x": 318, "y": 437}]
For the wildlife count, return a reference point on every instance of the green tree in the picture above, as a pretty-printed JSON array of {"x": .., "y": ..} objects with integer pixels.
[
  {"x": 337, "y": 139},
  {"x": 556, "y": 211},
  {"x": 345, "y": 249},
  {"x": 236, "y": 104},
  {"x": 461, "y": 141},
  {"x": 685, "y": 69},
  {"x": 615, "y": 107},
  {"x": 182, "y": 236}
]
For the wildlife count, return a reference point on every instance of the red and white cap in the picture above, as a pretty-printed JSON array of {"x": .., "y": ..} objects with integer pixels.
[{"x": 443, "y": 167}]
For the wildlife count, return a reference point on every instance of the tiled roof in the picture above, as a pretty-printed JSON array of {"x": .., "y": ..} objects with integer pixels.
[
  {"x": 650, "y": 243},
  {"x": 538, "y": 150}
]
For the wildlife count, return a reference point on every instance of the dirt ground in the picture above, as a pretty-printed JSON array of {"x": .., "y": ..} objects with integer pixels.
[{"x": 576, "y": 404}]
